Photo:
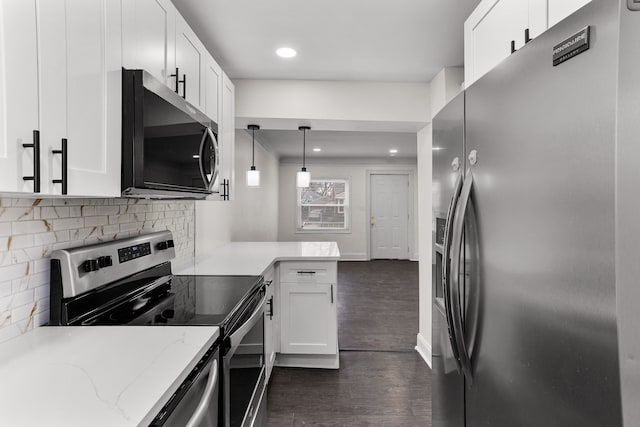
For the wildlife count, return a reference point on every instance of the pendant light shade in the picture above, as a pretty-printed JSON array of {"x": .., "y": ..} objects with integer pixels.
[
  {"x": 303, "y": 178},
  {"x": 253, "y": 175}
]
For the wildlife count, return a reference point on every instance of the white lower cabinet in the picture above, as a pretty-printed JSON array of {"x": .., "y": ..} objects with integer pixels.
[{"x": 309, "y": 318}]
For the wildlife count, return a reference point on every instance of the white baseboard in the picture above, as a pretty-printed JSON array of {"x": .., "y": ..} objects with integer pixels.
[
  {"x": 354, "y": 257},
  {"x": 424, "y": 349}
]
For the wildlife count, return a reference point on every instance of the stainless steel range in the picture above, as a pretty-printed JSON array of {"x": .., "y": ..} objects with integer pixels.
[{"x": 129, "y": 282}]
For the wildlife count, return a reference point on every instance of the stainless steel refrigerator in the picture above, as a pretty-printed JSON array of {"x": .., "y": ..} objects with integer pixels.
[{"x": 524, "y": 201}]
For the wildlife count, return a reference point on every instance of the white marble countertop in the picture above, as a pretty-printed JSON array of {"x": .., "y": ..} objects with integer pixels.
[
  {"x": 254, "y": 258},
  {"x": 97, "y": 375}
]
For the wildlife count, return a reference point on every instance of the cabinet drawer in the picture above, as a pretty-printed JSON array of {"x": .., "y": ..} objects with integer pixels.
[{"x": 308, "y": 272}]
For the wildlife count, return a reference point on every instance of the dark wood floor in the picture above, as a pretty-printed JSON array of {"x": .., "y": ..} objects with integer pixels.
[{"x": 377, "y": 310}]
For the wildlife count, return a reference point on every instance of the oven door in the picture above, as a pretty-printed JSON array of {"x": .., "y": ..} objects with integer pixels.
[
  {"x": 168, "y": 146},
  {"x": 244, "y": 372},
  {"x": 195, "y": 403}
]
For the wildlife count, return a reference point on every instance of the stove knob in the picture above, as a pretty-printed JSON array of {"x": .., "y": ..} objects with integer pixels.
[
  {"x": 105, "y": 261},
  {"x": 90, "y": 265},
  {"x": 165, "y": 245}
]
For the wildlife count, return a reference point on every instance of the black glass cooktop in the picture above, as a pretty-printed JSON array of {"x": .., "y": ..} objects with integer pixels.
[{"x": 185, "y": 300}]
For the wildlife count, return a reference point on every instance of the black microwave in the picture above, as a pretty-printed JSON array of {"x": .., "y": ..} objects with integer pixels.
[{"x": 169, "y": 148}]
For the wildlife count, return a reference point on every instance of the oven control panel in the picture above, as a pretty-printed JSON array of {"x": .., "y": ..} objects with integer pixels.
[{"x": 134, "y": 252}]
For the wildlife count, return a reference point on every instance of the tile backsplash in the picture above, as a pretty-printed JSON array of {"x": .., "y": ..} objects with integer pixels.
[{"x": 30, "y": 229}]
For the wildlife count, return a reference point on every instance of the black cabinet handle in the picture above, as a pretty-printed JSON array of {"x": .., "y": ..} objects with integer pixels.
[
  {"x": 64, "y": 179},
  {"x": 527, "y": 37},
  {"x": 513, "y": 46},
  {"x": 270, "y": 302},
  {"x": 184, "y": 86},
  {"x": 307, "y": 272},
  {"x": 177, "y": 76},
  {"x": 36, "y": 162},
  {"x": 225, "y": 189}
]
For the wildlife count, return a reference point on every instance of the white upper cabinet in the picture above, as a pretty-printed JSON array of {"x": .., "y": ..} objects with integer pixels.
[
  {"x": 61, "y": 73},
  {"x": 227, "y": 138},
  {"x": 190, "y": 63},
  {"x": 560, "y": 9},
  {"x": 80, "y": 96},
  {"x": 148, "y": 31},
  {"x": 18, "y": 93},
  {"x": 212, "y": 89},
  {"x": 494, "y": 24}
]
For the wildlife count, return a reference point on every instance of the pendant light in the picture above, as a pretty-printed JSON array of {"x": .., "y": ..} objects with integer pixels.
[
  {"x": 303, "y": 178},
  {"x": 253, "y": 175}
]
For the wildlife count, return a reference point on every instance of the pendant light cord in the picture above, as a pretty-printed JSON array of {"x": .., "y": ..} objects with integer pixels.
[
  {"x": 253, "y": 148},
  {"x": 304, "y": 148}
]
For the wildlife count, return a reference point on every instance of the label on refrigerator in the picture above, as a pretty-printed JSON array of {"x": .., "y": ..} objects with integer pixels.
[{"x": 572, "y": 46}]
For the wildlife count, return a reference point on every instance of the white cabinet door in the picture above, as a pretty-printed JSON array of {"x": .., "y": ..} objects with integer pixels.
[
  {"x": 94, "y": 97},
  {"x": 18, "y": 93},
  {"x": 227, "y": 139},
  {"x": 190, "y": 62},
  {"x": 488, "y": 34},
  {"x": 309, "y": 318},
  {"x": 212, "y": 89},
  {"x": 560, "y": 9},
  {"x": 149, "y": 38},
  {"x": 80, "y": 98}
]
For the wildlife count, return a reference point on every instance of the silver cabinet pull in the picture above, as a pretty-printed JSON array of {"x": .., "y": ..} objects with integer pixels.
[
  {"x": 207, "y": 396},
  {"x": 446, "y": 266},
  {"x": 458, "y": 225}
]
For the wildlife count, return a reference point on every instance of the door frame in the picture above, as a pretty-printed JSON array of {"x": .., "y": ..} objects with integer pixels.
[{"x": 411, "y": 226}]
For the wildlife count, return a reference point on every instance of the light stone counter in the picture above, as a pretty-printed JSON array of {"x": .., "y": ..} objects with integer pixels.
[{"x": 96, "y": 375}]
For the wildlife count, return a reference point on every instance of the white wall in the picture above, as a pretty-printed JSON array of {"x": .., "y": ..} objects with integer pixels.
[
  {"x": 253, "y": 214},
  {"x": 353, "y": 245},
  {"x": 444, "y": 87},
  {"x": 333, "y": 105}
]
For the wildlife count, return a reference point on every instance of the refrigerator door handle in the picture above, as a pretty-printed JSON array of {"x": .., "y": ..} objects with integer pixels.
[
  {"x": 446, "y": 266},
  {"x": 457, "y": 241}
]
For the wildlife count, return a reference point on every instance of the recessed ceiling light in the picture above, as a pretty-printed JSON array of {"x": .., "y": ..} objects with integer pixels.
[
  {"x": 393, "y": 151},
  {"x": 196, "y": 156},
  {"x": 286, "y": 52},
  {"x": 437, "y": 148},
  {"x": 317, "y": 150}
]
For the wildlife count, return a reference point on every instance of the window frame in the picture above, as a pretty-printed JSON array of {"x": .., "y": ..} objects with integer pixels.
[{"x": 345, "y": 207}]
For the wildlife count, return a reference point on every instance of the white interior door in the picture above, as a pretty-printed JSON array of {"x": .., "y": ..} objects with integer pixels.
[{"x": 390, "y": 216}]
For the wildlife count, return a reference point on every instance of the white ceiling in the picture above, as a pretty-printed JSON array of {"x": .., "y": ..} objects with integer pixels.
[
  {"x": 375, "y": 40},
  {"x": 287, "y": 144}
]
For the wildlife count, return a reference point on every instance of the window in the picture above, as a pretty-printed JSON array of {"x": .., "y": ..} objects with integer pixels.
[{"x": 324, "y": 206}]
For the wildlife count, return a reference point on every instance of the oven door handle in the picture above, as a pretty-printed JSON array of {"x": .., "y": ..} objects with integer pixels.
[
  {"x": 236, "y": 338},
  {"x": 207, "y": 396}
]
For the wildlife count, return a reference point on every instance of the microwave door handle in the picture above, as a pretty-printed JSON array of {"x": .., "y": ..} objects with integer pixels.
[
  {"x": 216, "y": 160},
  {"x": 207, "y": 397},
  {"x": 203, "y": 175},
  {"x": 243, "y": 330}
]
